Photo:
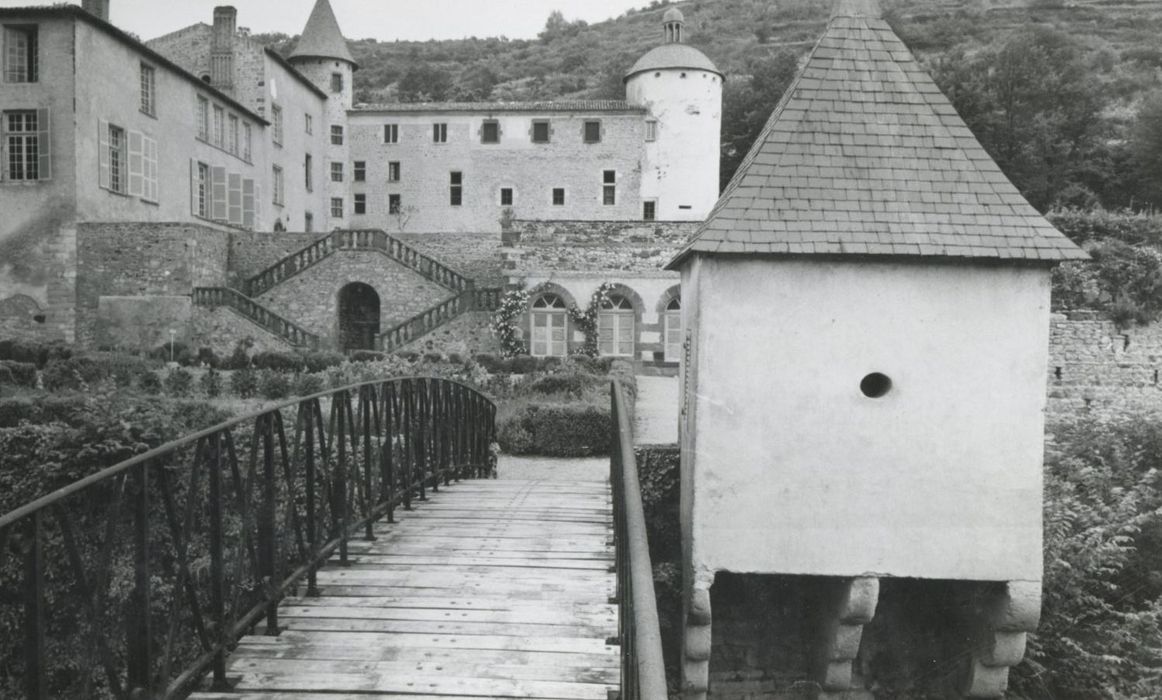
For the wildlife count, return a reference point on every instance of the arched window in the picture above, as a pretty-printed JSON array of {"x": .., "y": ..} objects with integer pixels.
[
  {"x": 672, "y": 330},
  {"x": 615, "y": 327},
  {"x": 548, "y": 326}
]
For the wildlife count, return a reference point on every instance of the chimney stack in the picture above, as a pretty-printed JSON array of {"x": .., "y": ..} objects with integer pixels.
[
  {"x": 222, "y": 47},
  {"x": 97, "y": 8}
]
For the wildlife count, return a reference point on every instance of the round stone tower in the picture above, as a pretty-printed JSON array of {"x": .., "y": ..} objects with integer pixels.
[
  {"x": 682, "y": 90},
  {"x": 323, "y": 57}
]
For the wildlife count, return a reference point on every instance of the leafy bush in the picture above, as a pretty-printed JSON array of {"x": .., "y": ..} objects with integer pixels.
[
  {"x": 179, "y": 382},
  {"x": 277, "y": 361},
  {"x": 319, "y": 361},
  {"x": 211, "y": 383},
  {"x": 180, "y": 352},
  {"x": 244, "y": 383},
  {"x": 274, "y": 385},
  {"x": 525, "y": 364},
  {"x": 571, "y": 382},
  {"x": 1123, "y": 280},
  {"x": 368, "y": 356},
  {"x": 72, "y": 374},
  {"x": 556, "y": 430},
  {"x": 20, "y": 373},
  {"x": 309, "y": 384},
  {"x": 240, "y": 357},
  {"x": 149, "y": 383},
  {"x": 490, "y": 363},
  {"x": 433, "y": 357},
  {"x": 35, "y": 353},
  {"x": 207, "y": 357}
]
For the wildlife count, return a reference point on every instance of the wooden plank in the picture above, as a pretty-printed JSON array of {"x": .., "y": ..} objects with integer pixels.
[
  {"x": 441, "y": 684},
  {"x": 597, "y": 615},
  {"x": 560, "y": 669}
]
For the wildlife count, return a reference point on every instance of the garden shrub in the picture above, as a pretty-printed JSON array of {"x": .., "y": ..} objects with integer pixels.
[
  {"x": 243, "y": 383},
  {"x": 433, "y": 357},
  {"x": 515, "y": 438},
  {"x": 368, "y": 356},
  {"x": 567, "y": 382},
  {"x": 149, "y": 383},
  {"x": 6, "y": 378},
  {"x": 309, "y": 384},
  {"x": 179, "y": 382},
  {"x": 524, "y": 364},
  {"x": 32, "y": 352},
  {"x": 320, "y": 361},
  {"x": 71, "y": 374},
  {"x": 181, "y": 353},
  {"x": 240, "y": 357},
  {"x": 211, "y": 383},
  {"x": 455, "y": 358},
  {"x": 273, "y": 384},
  {"x": 491, "y": 363},
  {"x": 277, "y": 361},
  {"x": 557, "y": 430},
  {"x": 408, "y": 355},
  {"x": 21, "y": 373},
  {"x": 207, "y": 357}
]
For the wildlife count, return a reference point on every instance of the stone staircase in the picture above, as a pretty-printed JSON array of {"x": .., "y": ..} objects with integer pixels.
[{"x": 465, "y": 296}]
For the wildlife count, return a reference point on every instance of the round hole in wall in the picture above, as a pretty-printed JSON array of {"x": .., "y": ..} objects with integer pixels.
[
  {"x": 875, "y": 385},
  {"x": 40, "y": 318}
]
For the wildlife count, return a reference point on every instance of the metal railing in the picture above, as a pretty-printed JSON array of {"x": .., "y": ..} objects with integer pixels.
[
  {"x": 643, "y": 671},
  {"x": 137, "y": 580},
  {"x": 366, "y": 239},
  {"x": 289, "y": 331}
]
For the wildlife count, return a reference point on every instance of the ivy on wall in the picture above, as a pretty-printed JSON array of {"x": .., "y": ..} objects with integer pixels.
[
  {"x": 506, "y": 322},
  {"x": 586, "y": 321}
]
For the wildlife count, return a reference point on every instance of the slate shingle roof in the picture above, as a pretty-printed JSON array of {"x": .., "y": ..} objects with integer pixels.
[
  {"x": 322, "y": 37},
  {"x": 865, "y": 156}
]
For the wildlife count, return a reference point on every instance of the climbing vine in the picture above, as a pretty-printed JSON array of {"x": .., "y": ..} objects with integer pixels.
[
  {"x": 506, "y": 322},
  {"x": 586, "y": 321}
]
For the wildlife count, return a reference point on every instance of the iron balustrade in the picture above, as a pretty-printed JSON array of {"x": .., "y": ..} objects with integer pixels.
[
  {"x": 364, "y": 239},
  {"x": 643, "y": 672},
  {"x": 289, "y": 331},
  {"x": 135, "y": 582}
]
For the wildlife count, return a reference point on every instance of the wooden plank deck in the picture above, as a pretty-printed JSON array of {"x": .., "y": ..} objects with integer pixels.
[{"x": 490, "y": 589}]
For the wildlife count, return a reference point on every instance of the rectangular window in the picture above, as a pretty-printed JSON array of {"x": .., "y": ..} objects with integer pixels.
[
  {"x": 393, "y": 171},
  {"x": 440, "y": 133},
  {"x": 559, "y": 196},
  {"x": 393, "y": 204},
  {"x": 649, "y": 210},
  {"x": 391, "y": 133},
  {"x": 21, "y": 137},
  {"x": 21, "y": 63},
  {"x": 336, "y": 207},
  {"x": 359, "y": 171},
  {"x": 592, "y": 131},
  {"x": 202, "y": 190},
  {"x": 148, "y": 88},
  {"x": 609, "y": 187},
  {"x": 232, "y": 135},
  {"x": 278, "y": 186},
  {"x": 336, "y": 135},
  {"x": 548, "y": 336},
  {"x": 219, "y": 126},
  {"x": 308, "y": 177},
  {"x": 203, "y": 115},
  {"x": 246, "y": 142},
  {"x": 336, "y": 82},
  {"x": 309, "y": 122},
  {"x": 336, "y": 171},
  {"x": 276, "y": 124},
  {"x": 457, "y": 188},
  {"x": 651, "y": 130},
  {"x": 506, "y": 196},
  {"x": 360, "y": 204},
  {"x": 541, "y": 131},
  {"x": 490, "y": 131},
  {"x": 115, "y": 149},
  {"x": 141, "y": 159}
]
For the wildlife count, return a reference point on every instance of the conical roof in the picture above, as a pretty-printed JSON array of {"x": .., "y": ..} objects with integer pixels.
[
  {"x": 865, "y": 156},
  {"x": 321, "y": 37}
]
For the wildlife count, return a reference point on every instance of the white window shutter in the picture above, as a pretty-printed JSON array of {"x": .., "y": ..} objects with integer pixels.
[
  {"x": 103, "y": 152},
  {"x": 234, "y": 201},
  {"x": 249, "y": 199},
  {"x": 218, "y": 190},
  {"x": 193, "y": 187},
  {"x": 151, "y": 190},
  {"x": 44, "y": 143},
  {"x": 136, "y": 164}
]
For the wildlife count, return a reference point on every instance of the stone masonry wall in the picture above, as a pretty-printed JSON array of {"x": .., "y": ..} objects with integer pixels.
[
  {"x": 143, "y": 260},
  {"x": 221, "y": 328},
  {"x": 468, "y": 334},
  {"x": 311, "y": 298},
  {"x": 251, "y": 252},
  {"x": 614, "y": 246},
  {"x": 475, "y": 255},
  {"x": 1093, "y": 364}
]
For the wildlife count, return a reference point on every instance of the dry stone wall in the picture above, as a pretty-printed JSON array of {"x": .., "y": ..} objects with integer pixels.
[
  {"x": 607, "y": 246},
  {"x": 474, "y": 255},
  {"x": 221, "y": 328},
  {"x": 1094, "y": 365}
]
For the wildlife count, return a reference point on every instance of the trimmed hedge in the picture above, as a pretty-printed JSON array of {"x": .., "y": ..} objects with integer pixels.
[
  {"x": 35, "y": 353},
  {"x": 557, "y": 430}
]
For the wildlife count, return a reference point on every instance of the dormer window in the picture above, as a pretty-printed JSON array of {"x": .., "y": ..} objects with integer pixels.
[{"x": 21, "y": 64}]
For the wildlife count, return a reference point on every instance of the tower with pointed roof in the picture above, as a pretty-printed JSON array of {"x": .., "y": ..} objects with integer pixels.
[
  {"x": 867, "y": 317},
  {"x": 322, "y": 55},
  {"x": 682, "y": 90}
]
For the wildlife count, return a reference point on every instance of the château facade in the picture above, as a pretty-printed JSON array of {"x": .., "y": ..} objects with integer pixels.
[{"x": 241, "y": 158}]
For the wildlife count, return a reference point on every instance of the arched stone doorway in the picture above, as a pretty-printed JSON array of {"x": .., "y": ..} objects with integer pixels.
[{"x": 358, "y": 317}]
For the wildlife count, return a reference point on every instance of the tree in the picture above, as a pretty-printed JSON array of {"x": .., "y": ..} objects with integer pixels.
[
  {"x": 1146, "y": 150},
  {"x": 475, "y": 84},
  {"x": 748, "y": 104},
  {"x": 424, "y": 83},
  {"x": 557, "y": 27}
]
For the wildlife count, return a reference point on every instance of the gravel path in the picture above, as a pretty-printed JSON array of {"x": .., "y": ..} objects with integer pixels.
[{"x": 554, "y": 468}]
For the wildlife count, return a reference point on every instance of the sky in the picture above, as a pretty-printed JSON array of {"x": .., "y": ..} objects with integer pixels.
[{"x": 385, "y": 20}]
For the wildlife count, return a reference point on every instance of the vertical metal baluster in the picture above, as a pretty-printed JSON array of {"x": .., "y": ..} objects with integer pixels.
[
  {"x": 390, "y": 414},
  {"x": 405, "y": 433},
  {"x": 434, "y": 431},
  {"x": 217, "y": 578},
  {"x": 339, "y": 410},
  {"x": 421, "y": 437},
  {"x": 138, "y": 642},
  {"x": 35, "y": 671},
  {"x": 366, "y": 399},
  {"x": 267, "y": 546},
  {"x": 312, "y": 526}
]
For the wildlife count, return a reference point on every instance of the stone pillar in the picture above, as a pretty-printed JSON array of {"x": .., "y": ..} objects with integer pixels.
[
  {"x": 97, "y": 8},
  {"x": 1004, "y": 619},
  {"x": 850, "y": 606},
  {"x": 696, "y": 642}
]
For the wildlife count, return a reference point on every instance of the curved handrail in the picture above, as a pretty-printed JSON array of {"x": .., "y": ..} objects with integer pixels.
[
  {"x": 643, "y": 671},
  {"x": 265, "y": 501}
]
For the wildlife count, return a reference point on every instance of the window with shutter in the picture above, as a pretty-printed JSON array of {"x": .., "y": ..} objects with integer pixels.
[
  {"x": 136, "y": 164},
  {"x": 234, "y": 199},
  {"x": 249, "y": 203},
  {"x": 26, "y": 145},
  {"x": 151, "y": 188},
  {"x": 103, "y": 153},
  {"x": 218, "y": 193}
]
